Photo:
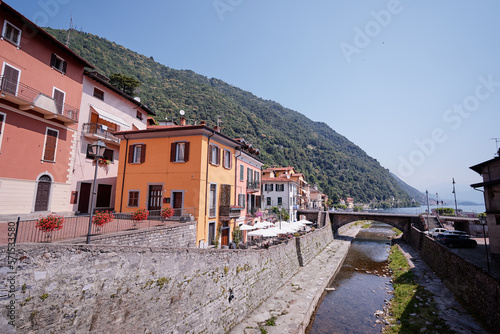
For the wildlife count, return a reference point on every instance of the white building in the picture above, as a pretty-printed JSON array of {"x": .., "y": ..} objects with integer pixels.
[{"x": 278, "y": 189}]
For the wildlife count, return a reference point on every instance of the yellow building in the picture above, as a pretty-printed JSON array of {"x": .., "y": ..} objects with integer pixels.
[{"x": 190, "y": 168}]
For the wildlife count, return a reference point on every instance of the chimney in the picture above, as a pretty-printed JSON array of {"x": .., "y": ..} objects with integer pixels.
[
  {"x": 216, "y": 128},
  {"x": 203, "y": 123},
  {"x": 183, "y": 121}
]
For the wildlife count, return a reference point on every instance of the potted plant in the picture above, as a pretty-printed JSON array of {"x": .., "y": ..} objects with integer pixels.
[
  {"x": 50, "y": 224},
  {"x": 102, "y": 218},
  {"x": 140, "y": 214},
  {"x": 104, "y": 161},
  {"x": 167, "y": 212}
]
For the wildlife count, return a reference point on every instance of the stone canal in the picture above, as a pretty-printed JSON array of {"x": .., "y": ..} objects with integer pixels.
[{"x": 360, "y": 289}]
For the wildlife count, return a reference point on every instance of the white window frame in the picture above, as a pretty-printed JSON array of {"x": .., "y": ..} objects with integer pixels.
[
  {"x": 62, "y": 61},
  {"x": 136, "y": 156},
  {"x": 2, "y": 128},
  {"x": 177, "y": 150},
  {"x": 227, "y": 159},
  {"x": 18, "y": 78},
  {"x": 4, "y": 31},
  {"x": 212, "y": 199},
  {"x": 97, "y": 97},
  {"x": 214, "y": 157},
  {"x": 54, "y": 88},
  {"x": 45, "y": 143}
]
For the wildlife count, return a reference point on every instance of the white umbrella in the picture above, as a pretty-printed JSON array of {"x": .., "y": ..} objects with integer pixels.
[
  {"x": 256, "y": 233},
  {"x": 283, "y": 230},
  {"x": 266, "y": 223},
  {"x": 260, "y": 225},
  {"x": 269, "y": 233},
  {"x": 304, "y": 221},
  {"x": 245, "y": 227},
  {"x": 289, "y": 226}
]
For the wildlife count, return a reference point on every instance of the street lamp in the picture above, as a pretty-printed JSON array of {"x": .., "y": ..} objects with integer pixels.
[
  {"x": 483, "y": 221},
  {"x": 97, "y": 152}
]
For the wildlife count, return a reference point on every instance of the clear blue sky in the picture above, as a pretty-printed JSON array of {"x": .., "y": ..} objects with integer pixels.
[{"x": 416, "y": 84}]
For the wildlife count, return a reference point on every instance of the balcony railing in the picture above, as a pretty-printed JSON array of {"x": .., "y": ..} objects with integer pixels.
[
  {"x": 98, "y": 131},
  {"x": 28, "y": 98},
  {"x": 253, "y": 185},
  {"x": 230, "y": 211}
]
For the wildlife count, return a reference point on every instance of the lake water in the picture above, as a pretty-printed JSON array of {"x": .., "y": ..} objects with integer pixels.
[
  {"x": 423, "y": 209},
  {"x": 360, "y": 287}
]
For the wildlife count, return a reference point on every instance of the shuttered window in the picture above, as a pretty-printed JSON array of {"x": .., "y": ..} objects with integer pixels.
[
  {"x": 227, "y": 159},
  {"x": 242, "y": 173},
  {"x": 133, "y": 198},
  {"x": 58, "y": 63},
  {"x": 241, "y": 200},
  {"x": 10, "y": 79},
  {"x": 268, "y": 187},
  {"x": 137, "y": 154},
  {"x": 49, "y": 153},
  {"x": 214, "y": 155},
  {"x": 179, "y": 152},
  {"x": 59, "y": 99},
  {"x": 11, "y": 33},
  {"x": 2, "y": 122}
]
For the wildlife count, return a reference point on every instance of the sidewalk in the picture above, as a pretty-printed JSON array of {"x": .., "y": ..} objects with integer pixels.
[{"x": 294, "y": 303}]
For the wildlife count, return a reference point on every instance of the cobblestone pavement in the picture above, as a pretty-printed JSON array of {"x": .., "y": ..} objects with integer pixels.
[{"x": 449, "y": 309}]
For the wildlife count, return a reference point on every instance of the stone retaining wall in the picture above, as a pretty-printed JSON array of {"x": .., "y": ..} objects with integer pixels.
[
  {"x": 127, "y": 289},
  {"x": 470, "y": 283}
]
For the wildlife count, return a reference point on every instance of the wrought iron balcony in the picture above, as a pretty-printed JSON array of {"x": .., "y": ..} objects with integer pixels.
[
  {"x": 99, "y": 131},
  {"x": 30, "y": 99},
  {"x": 229, "y": 212},
  {"x": 253, "y": 185}
]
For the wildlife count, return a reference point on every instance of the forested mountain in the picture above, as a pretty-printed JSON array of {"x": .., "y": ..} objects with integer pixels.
[{"x": 284, "y": 137}]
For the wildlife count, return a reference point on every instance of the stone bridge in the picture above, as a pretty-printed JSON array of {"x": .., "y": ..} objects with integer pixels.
[{"x": 401, "y": 222}]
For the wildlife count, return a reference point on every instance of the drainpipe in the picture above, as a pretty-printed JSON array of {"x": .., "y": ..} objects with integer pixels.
[
  {"x": 124, "y": 168},
  {"x": 236, "y": 176}
]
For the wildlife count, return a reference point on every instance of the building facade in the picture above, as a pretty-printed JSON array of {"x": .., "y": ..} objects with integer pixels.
[
  {"x": 40, "y": 96},
  {"x": 280, "y": 190}
]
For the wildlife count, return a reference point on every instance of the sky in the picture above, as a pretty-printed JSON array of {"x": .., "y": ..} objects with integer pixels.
[{"x": 414, "y": 83}]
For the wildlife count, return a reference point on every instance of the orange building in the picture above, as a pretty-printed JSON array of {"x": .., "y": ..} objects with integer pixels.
[{"x": 188, "y": 167}]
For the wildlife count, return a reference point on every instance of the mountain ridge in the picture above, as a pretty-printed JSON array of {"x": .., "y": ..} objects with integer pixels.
[{"x": 285, "y": 137}]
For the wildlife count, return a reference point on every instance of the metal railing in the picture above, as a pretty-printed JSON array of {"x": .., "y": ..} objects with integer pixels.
[
  {"x": 99, "y": 131},
  {"x": 29, "y": 94},
  {"x": 253, "y": 185}
]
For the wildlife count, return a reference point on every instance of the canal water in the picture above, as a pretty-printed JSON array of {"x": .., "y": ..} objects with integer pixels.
[{"x": 360, "y": 288}]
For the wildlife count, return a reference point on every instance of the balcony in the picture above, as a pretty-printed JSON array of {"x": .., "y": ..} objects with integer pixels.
[
  {"x": 30, "y": 99},
  {"x": 229, "y": 212},
  {"x": 253, "y": 186},
  {"x": 98, "y": 131}
]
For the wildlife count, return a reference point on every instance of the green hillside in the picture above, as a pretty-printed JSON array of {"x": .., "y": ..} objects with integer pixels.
[{"x": 284, "y": 137}]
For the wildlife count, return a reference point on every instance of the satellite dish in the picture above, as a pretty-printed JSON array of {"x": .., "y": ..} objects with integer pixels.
[{"x": 182, "y": 112}]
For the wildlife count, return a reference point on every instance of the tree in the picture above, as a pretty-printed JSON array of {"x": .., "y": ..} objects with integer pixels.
[{"x": 124, "y": 83}]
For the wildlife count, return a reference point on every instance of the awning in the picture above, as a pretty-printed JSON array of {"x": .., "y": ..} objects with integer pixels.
[{"x": 110, "y": 117}]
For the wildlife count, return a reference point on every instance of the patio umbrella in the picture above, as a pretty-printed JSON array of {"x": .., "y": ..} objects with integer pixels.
[
  {"x": 267, "y": 223},
  {"x": 307, "y": 222},
  {"x": 283, "y": 230},
  {"x": 245, "y": 227},
  {"x": 256, "y": 233},
  {"x": 260, "y": 225},
  {"x": 269, "y": 233}
]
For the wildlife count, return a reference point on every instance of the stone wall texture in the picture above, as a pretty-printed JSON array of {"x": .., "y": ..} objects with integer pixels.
[
  {"x": 64, "y": 288},
  {"x": 470, "y": 283},
  {"x": 180, "y": 235}
]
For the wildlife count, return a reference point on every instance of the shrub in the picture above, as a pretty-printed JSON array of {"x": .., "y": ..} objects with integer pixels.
[
  {"x": 50, "y": 223},
  {"x": 167, "y": 212},
  {"x": 102, "y": 218},
  {"x": 140, "y": 214}
]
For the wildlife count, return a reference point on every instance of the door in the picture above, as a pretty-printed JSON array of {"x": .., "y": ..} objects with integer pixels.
[
  {"x": 155, "y": 197},
  {"x": 43, "y": 193},
  {"x": 177, "y": 203},
  {"x": 84, "y": 200},
  {"x": 225, "y": 237}
]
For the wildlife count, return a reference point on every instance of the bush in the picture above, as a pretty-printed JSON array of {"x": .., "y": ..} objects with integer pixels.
[{"x": 50, "y": 223}]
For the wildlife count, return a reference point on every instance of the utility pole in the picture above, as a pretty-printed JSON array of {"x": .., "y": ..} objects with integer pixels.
[
  {"x": 455, "y": 194},
  {"x": 70, "y": 28},
  {"x": 428, "y": 209},
  {"x": 497, "y": 140}
]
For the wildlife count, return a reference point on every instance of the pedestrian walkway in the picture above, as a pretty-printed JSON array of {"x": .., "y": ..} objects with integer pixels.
[
  {"x": 449, "y": 309},
  {"x": 292, "y": 306}
]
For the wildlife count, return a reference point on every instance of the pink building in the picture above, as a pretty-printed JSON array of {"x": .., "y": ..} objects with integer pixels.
[
  {"x": 40, "y": 96},
  {"x": 104, "y": 109}
]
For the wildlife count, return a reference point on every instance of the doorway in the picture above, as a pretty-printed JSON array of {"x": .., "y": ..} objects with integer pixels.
[
  {"x": 155, "y": 197},
  {"x": 43, "y": 193},
  {"x": 177, "y": 203},
  {"x": 84, "y": 199}
]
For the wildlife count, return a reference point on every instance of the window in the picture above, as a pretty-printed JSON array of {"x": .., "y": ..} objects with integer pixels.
[
  {"x": 249, "y": 175},
  {"x": 49, "y": 153},
  {"x": 256, "y": 176},
  {"x": 280, "y": 187},
  {"x": 133, "y": 198},
  {"x": 227, "y": 159},
  {"x": 2, "y": 125},
  {"x": 139, "y": 115},
  {"x": 10, "y": 79},
  {"x": 99, "y": 94},
  {"x": 212, "y": 202},
  {"x": 58, "y": 63},
  {"x": 268, "y": 203},
  {"x": 242, "y": 172},
  {"x": 268, "y": 187},
  {"x": 241, "y": 200},
  {"x": 211, "y": 233},
  {"x": 280, "y": 200},
  {"x": 11, "y": 33},
  {"x": 179, "y": 152},
  {"x": 58, "y": 96},
  {"x": 137, "y": 154},
  {"x": 214, "y": 155}
]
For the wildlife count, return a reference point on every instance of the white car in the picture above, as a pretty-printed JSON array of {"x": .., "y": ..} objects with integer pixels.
[{"x": 435, "y": 231}]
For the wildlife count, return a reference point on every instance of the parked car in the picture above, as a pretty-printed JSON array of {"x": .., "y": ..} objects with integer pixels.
[
  {"x": 435, "y": 231},
  {"x": 455, "y": 240}
]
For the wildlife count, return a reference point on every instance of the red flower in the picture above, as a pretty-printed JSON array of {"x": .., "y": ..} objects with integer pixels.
[
  {"x": 102, "y": 218},
  {"x": 140, "y": 214},
  {"x": 50, "y": 223},
  {"x": 167, "y": 212}
]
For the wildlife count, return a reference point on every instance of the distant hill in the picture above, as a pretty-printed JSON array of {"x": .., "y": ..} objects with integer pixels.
[
  {"x": 415, "y": 194},
  {"x": 284, "y": 136}
]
